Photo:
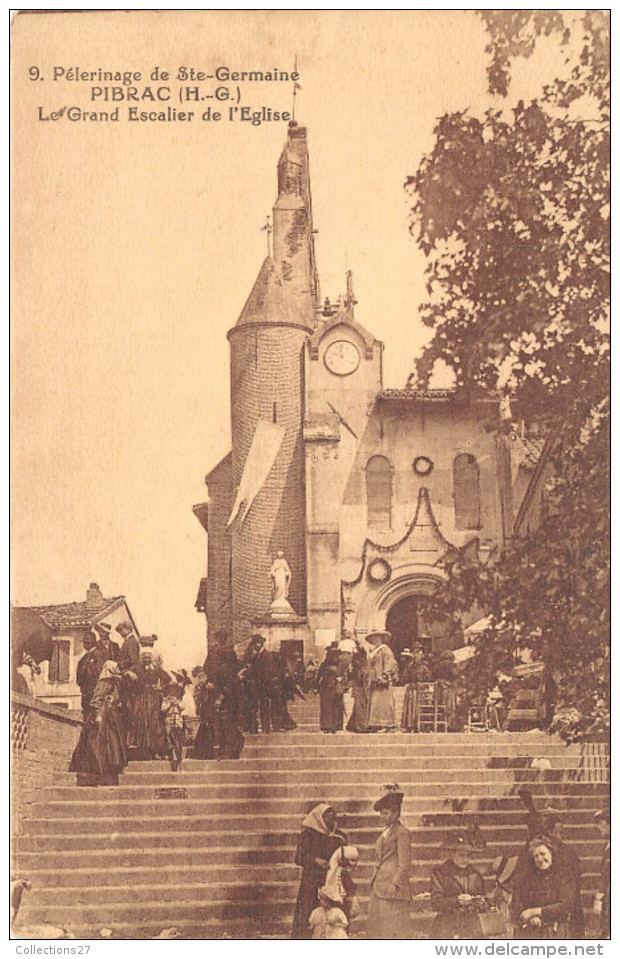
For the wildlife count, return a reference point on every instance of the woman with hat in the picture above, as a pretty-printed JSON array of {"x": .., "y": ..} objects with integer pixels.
[
  {"x": 543, "y": 894},
  {"x": 318, "y": 841},
  {"x": 457, "y": 892},
  {"x": 390, "y": 893},
  {"x": 101, "y": 753},
  {"x": 382, "y": 674}
]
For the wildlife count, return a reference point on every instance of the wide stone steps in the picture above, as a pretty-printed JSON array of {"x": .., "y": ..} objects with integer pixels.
[
  {"x": 210, "y": 849},
  {"x": 427, "y": 785},
  {"x": 85, "y": 884}
]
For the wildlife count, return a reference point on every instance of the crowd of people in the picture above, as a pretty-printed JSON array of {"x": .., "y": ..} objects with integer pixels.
[
  {"x": 132, "y": 707},
  {"x": 369, "y": 673},
  {"x": 535, "y": 895}
]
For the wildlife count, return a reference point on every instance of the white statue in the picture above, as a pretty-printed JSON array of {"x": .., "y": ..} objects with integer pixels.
[{"x": 280, "y": 575}]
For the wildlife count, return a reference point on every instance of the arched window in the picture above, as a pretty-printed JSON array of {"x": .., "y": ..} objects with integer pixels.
[
  {"x": 466, "y": 492},
  {"x": 379, "y": 492}
]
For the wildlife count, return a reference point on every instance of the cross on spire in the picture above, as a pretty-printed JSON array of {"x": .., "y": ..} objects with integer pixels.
[{"x": 296, "y": 87}]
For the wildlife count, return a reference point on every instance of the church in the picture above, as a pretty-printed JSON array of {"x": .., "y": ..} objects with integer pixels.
[{"x": 341, "y": 499}]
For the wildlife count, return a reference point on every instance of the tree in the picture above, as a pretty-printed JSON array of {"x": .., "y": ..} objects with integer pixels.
[{"x": 512, "y": 211}]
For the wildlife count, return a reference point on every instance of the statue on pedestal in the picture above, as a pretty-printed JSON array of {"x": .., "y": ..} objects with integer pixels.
[{"x": 280, "y": 575}]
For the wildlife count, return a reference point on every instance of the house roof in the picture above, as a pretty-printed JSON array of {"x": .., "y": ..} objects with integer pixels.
[{"x": 77, "y": 614}]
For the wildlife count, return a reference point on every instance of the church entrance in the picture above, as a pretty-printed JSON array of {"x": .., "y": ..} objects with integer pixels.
[{"x": 402, "y": 623}]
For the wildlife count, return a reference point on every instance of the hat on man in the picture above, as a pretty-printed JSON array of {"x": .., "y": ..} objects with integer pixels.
[
  {"x": 381, "y": 634},
  {"x": 406, "y": 654},
  {"x": 104, "y": 629},
  {"x": 392, "y": 798}
]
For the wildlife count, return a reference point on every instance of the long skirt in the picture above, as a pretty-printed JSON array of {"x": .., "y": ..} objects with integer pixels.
[
  {"x": 381, "y": 712},
  {"x": 331, "y": 710},
  {"x": 359, "y": 714},
  {"x": 148, "y": 733},
  {"x": 100, "y": 754},
  {"x": 388, "y": 918},
  {"x": 410, "y": 718}
]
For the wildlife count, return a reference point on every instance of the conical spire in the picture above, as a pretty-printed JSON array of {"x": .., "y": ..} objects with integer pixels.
[{"x": 286, "y": 289}]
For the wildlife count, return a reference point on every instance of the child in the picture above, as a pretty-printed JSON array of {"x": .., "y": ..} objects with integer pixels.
[
  {"x": 328, "y": 921},
  {"x": 341, "y": 864},
  {"x": 174, "y": 723}
]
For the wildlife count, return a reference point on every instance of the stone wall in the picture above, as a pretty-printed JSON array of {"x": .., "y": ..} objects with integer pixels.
[{"x": 43, "y": 738}]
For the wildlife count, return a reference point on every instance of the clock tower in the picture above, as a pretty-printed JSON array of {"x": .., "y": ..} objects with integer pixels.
[{"x": 342, "y": 376}]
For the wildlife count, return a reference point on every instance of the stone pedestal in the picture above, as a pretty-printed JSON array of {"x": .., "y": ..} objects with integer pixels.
[{"x": 277, "y": 631}]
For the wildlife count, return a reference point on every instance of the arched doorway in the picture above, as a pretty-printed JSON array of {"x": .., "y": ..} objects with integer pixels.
[{"x": 402, "y": 622}]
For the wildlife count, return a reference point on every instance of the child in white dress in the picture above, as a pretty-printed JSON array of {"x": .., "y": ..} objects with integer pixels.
[{"x": 328, "y": 921}]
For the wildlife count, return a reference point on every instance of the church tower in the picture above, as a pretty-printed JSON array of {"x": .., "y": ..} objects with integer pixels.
[{"x": 266, "y": 359}]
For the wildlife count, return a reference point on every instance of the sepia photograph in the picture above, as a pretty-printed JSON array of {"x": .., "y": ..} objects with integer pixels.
[{"x": 310, "y": 468}]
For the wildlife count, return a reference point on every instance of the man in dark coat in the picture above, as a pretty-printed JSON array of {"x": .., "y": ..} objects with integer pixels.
[
  {"x": 270, "y": 677},
  {"x": 129, "y": 657},
  {"x": 87, "y": 670},
  {"x": 107, "y": 649}
]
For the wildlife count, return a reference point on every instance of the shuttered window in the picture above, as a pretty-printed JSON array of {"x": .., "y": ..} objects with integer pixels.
[
  {"x": 379, "y": 492},
  {"x": 466, "y": 492},
  {"x": 60, "y": 663}
]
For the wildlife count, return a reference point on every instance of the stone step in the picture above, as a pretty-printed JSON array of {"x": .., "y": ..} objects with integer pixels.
[
  {"x": 96, "y": 876},
  {"x": 194, "y": 912},
  {"x": 233, "y": 890},
  {"x": 420, "y": 785},
  {"x": 215, "y": 812},
  {"x": 412, "y": 745},
  {"x": 219, "y": 816},
  {"x": 119, "y": 856},
  {"x": 498, "y": 742},
  {"x": 375, "y": 761}
]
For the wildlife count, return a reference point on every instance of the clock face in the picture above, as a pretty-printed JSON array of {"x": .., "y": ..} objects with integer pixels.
[{"x": 342, "y": 357}]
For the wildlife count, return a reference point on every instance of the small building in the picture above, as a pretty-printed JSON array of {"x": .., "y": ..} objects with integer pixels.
[{"x": 68, "y": 623}]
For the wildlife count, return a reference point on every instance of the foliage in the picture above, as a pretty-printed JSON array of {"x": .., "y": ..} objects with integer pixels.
[{"x": 512, "y": 211}]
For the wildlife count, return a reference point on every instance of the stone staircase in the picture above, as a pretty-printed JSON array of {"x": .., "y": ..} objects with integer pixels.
[{"x": 210, "y": 849}]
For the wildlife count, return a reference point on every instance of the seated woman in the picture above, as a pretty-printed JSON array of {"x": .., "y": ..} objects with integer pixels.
[
  {"x": 543, "y": 894},
  {"x": 457, "y": 892}
]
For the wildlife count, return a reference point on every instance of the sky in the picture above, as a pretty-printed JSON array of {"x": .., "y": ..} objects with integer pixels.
[{"x": 135, "y": 247}]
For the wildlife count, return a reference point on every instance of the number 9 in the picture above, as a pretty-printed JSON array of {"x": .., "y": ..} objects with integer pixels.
[{"x": 34, "y": 73}]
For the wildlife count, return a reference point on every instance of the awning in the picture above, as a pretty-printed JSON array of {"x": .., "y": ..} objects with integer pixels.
[{"x": 29, "y": 634}]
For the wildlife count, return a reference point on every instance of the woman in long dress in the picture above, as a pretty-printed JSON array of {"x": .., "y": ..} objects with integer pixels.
[
  {"x": 318, "y": 841},
  {"x": 101, "y": 753},
  {"x": 357, "y": 678},
  {"x": 331, "y": 692},
  {"x": 147, "y": 726},
  {"x": 390, "y": 892},
  {"x": 382, "y": 674}
]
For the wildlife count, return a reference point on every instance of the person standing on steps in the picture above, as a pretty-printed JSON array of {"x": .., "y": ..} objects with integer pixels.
[
  {"x": 390, "y": 892},
  {"x": 331, "y": 691},
  {"x": 415, "y": 671},
  {"x": 101, "y": 754},
  {"x": 383, "y": 673},
  {"x": 87, "y": 671},
  {"x": 318, "y": 841}
]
